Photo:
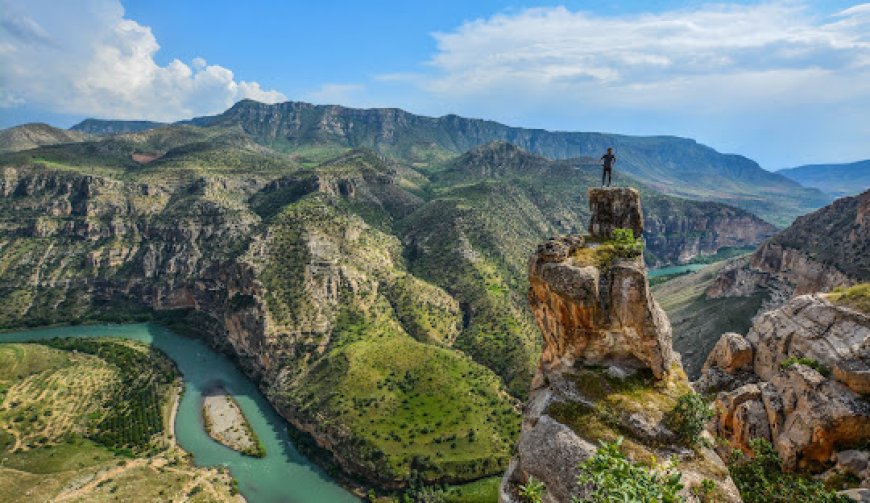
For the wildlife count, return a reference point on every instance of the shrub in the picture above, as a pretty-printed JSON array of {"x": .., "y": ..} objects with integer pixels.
[
  {"x": 533, "y": 490},
  {"x": 705, "y": 491},
  {"x": 760, "y": 479},
  {"x": 803, "y": 360},
  {"x": 625, "y": 244},
  {"x": 689, "y": 417},
  {"x": 610, "y": 476}
]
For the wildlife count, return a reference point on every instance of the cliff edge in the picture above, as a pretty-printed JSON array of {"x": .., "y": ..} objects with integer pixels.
[{"x": 607, "y": 369}]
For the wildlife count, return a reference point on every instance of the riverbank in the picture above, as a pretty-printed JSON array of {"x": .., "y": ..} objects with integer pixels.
[
  {"x": 225, "y": 422},
  {"x": 282, "y": 476},
  {"x": 57, "y": 389}
]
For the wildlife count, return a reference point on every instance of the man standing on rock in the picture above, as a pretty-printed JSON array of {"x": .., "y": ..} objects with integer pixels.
[{"x": 607, "y": 162}]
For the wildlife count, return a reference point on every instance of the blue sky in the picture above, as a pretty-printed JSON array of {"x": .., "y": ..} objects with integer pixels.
[{"x": 783, "y": 82}]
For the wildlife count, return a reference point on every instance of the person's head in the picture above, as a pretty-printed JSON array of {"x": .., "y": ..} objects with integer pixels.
[{"x": 609, "y": 150}]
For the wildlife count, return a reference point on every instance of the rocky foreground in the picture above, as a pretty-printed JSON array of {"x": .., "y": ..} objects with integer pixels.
[
  {"x": 607, "y": 368},
  {"x": 799, "y": 380}
]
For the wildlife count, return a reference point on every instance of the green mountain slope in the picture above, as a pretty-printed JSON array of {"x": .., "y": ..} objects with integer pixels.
[
  {"x": 109, "y": 127},
  {"x": 835, "y": 179}
]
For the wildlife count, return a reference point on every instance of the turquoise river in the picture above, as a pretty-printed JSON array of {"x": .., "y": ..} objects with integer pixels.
[{"x": 283, "y": 475}]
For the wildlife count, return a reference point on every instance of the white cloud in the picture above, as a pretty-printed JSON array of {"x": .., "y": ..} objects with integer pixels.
[
  {"x": 705, "y": 59},
  {"x": 85, "y": 58}
]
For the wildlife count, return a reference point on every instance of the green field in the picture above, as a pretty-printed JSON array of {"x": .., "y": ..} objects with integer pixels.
[{"x": 59, "y": 443}]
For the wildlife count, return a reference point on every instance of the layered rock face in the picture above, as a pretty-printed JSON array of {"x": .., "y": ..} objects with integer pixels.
[
  {"x": 678, "y": 233},
  {"x": 818, "y": 252},
  {"x": 798, "y": 379},
  {"x": 607, "y": 367}
]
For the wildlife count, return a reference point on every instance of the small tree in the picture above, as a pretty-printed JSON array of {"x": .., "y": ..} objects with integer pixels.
[{"x": 625, "y": 244}]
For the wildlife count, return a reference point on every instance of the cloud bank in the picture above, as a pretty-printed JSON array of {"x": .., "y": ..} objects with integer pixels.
[
  {"x": 776, "y": 80},
  {"x": 83, "y": 57},
  {"x": 702, "y": 58}
]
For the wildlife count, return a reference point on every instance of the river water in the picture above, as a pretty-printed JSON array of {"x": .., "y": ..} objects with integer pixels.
[{"x": 282, "y": 476}]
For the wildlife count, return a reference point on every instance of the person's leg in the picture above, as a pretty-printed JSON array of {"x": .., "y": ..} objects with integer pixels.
[
  {"x": 603, "y": 174},
  {"x": 609, "y": 173}
]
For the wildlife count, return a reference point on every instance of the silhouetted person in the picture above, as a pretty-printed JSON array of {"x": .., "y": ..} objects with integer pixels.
[{"x": 607, "y": 162}]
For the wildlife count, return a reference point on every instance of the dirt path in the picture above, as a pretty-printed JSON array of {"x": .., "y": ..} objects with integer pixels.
[{"x": 100, "y": 477}]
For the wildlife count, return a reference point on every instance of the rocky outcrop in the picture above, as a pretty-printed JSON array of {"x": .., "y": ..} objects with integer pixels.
[
  {"x": 607, "y": 368},
  {"x": 791, "y": 397},
  {"x": 818, "y": 252},
  {"x": 614, "y": 208}
]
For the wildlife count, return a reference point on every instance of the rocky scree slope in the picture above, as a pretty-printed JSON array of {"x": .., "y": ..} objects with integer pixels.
[
  {"x": 800, "y": 380},
  {"x": 607, "y": 369}
]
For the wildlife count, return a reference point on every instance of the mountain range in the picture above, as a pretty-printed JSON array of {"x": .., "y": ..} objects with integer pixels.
[
  {"x": 835, "y": 179},
  {"x": 671, "y": 165},
  {"x": 313, "y": 244}
]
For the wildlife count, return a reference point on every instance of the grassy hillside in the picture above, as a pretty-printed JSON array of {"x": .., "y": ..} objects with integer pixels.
[
  {"x": 56, "y": 422},
  {"x": 386, "y": 374},
  {"x": 28, "y": 136}
]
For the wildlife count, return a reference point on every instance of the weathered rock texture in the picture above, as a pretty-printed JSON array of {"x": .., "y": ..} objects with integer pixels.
[
  {"x": 614, "y": 208},
  {"x": 808, "y": 414},
  {"x": 607, "y": 368}
]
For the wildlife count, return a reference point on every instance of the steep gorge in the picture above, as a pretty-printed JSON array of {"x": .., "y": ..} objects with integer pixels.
[{"x": 312, "y": 275}]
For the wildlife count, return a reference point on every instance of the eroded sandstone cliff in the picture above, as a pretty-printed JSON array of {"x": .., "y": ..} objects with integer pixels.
[{"x": 607, "y": 368}]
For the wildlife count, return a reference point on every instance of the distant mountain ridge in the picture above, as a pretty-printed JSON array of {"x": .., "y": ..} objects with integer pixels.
[
  {"x": 102, "y": 126},
  {"x": 28, "y": 136},
  {"x": 846, "y": 179},
  {"x": 671, "y": 165}
]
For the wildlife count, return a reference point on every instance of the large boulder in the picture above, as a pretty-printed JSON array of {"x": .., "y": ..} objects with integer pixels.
[{"x": 812, "y": 327}]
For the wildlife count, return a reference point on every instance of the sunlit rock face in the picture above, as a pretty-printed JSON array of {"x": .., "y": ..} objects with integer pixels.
[
  {"x": 603, "y": 335},
  {"x": 805, "y": 390}
]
